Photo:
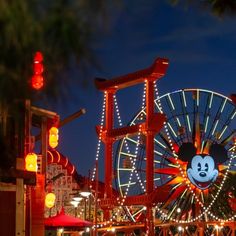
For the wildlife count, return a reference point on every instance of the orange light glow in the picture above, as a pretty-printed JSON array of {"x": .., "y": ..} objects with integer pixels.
[
  {"x": 50, "y": 200},
  {"x": 31, "y": 162},
  {"x": 37, "y": 82},
  {"x": 53, "y": 137}
]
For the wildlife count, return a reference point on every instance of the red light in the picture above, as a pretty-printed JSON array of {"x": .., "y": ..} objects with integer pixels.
[
  {"x": 38, "y": 57},
  {"x": 38, "y": 68},
  {"x": 37, "y": 82}
]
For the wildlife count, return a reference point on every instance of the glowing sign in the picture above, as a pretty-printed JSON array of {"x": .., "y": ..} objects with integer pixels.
[{"x": 202, "y": 169}]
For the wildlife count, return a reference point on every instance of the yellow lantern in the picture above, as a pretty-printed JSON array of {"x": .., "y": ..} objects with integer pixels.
[
  {"x": 53, "y": 137},
  {"x": 50, "y": 200},
  {"x": 31, "y": 162}
]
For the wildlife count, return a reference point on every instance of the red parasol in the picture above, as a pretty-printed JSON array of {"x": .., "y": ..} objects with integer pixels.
[{"x": 62, "y": 220}]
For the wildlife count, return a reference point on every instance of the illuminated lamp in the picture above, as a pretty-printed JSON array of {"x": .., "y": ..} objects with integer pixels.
[
  {"x": 38, "y": 57},
  {"x": 53, "y": 137},
  {"x": 37, "y": 79},
  {"x": 50, "y": 200},
  {"x": 37, "y": 82},
  {"x": 85, "y": 192},
  {"x": 38, "y": 68},
  {"x": 31, "y": 162}
]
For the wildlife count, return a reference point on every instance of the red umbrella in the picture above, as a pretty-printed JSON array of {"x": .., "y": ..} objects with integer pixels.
[{"x": 62, "y": 220}]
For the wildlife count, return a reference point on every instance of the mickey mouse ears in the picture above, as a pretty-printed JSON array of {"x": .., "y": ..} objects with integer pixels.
[
  {"x": 187, "y": 151},
  {"x": 218, "y": 152}
]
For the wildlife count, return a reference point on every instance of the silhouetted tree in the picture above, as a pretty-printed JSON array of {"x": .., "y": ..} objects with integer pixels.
[
  {"x": 218, "y": 7},
  {"x": 63, "y": 31}
]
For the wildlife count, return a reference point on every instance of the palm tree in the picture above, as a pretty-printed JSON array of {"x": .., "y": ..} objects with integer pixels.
[{"x": 63, "y": 31}]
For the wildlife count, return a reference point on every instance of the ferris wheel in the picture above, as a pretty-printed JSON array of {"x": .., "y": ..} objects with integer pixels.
[{"x": 194, "y": 154}]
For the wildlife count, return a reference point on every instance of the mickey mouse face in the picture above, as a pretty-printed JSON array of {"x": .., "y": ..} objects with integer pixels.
[{"x": 202, "y": 169}]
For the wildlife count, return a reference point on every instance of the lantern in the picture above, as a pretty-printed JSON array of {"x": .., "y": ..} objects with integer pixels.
[
  {"x": 37, "y": 82},
  {"x": 50, "y": 200},
  {"x": 37, "y": 79},
  {"x": 31, "y": 162},
  {"x": 53, "y": 137}
]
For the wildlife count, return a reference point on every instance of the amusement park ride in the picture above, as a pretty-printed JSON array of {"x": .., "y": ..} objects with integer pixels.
[
  {"x": 173, "y": 169},
  {"x": 174, "y": 159}
]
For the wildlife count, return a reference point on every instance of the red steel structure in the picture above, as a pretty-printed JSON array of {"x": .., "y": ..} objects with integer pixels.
[{"x": 154, "y": 122}]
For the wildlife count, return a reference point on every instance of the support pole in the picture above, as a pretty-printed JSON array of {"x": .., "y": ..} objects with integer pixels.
[
  {"x": 149, "y": 153},
  {"x": 20, "y": 209},
  {"x": 38, "y": 193},
  {"x": 108, "y": 148},
  {"x": 109, "y": 142},
  {"x": 20, "y": 195},
  {"x": 200, "y": 229}
]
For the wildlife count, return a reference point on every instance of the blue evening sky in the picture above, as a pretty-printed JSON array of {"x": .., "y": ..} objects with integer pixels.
[{"x": 201, "y": 49}]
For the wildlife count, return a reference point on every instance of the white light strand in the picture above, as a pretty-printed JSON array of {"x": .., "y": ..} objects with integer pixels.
[
  {"x": 122, "y": 198},
  {"x": 99, "y": 136},
  {"x": 132, "y": 159}
]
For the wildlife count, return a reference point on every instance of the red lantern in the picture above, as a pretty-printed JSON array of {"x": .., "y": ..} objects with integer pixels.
[
  {"x": 37, "y": 82},
  {"x": 31, "y": 162},
  {"x": 37, "y": 79},
  {"x": 38, "y": 57}
]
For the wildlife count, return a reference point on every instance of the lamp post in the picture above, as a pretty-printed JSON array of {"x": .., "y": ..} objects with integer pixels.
[
  {"x": 86, "y": 195},
  {"x": 75, "y": 204}
]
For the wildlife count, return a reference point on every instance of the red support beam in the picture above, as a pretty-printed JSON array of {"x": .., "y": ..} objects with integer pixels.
[
  {"x": 153, "y": 73},
  {"x": 155, "y": 124},
  {"x": 149, "y": 136},
  {"x": 109, "y": 142}
]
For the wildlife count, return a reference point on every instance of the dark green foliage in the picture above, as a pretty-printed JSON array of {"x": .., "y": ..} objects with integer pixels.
[
  {"x": 63, "y": 30},
  {"x": 220, "y": 8}
]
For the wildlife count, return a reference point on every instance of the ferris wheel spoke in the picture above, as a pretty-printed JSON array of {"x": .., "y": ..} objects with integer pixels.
[
  {"x": 185, "y": 203},
  {"x": 160, "y": 144},
  {"x": 196, "y": 133},
  {"x": 216, "y": 119},
  {"x": 176, "y": 192},
  {"x": 185, "y": 114},
  {"x": 172, "y": 108},
  {"x": 164, "y": 138},
  {"x": 206, "y": 114}
]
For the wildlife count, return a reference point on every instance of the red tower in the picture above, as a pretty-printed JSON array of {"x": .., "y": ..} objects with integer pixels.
[{"x": 152, "y": 125}]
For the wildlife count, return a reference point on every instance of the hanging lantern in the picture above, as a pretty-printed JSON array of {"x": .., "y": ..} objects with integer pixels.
[
  {"x": 53, "y": 137},
  {"x": 37, "y": 79},
  {"x": 37, "y": 82},
  {"x": 31, "y": 162},
  {"x": 50, "y": 200}
]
